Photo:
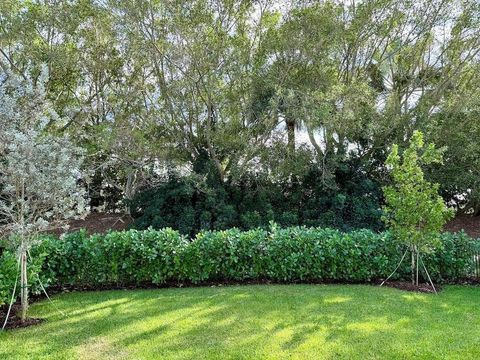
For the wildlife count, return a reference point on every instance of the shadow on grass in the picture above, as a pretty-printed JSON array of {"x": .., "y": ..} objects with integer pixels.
[{"x": 321, "y": 322}]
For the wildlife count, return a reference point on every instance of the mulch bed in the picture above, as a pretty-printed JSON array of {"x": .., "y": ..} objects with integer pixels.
[
  {"x": 408, "y": 286},
  {"x": 98, "y": 223},
  {"x": 470, "y": 224},
  {"x": 469, "y": 281},
  {"x": 14, "y": 322},
  {"x": 103, "y": 222}
]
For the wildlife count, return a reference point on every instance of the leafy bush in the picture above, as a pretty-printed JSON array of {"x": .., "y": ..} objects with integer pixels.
[
  {"x": 225, "y": 255},
  {"x": 290, "y": 254},
  {"x": 117, "y": 258},
  {"x": 293, "y": 254},
  {"x": 190, "y": 204},
  {"x": 323, "y": 254},
  {"x": 454, "y": 260},
  {"x": 9, "y": 272}
]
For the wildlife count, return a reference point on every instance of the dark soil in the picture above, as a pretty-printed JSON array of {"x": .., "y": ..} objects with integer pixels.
[
  {"x": 402, "y": 285},
  {"x": 469, "y": 281},
  {"x": 408, "y": 286},
  {"x": 470, "y": 224},
  {"x": 101, "y": 223},
  {"x": 98, "y": 223},
  {"x": 14, "y": 322}
]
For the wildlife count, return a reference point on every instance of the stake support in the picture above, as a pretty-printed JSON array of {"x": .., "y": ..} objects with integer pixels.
[
  {"x": 428, "y": 275},
  {"x": 394, "y": 271},
  {"x": 13, "y": 295}
]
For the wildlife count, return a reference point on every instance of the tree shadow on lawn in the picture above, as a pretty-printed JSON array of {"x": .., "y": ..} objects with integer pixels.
[{"x": 247, "y": 322}]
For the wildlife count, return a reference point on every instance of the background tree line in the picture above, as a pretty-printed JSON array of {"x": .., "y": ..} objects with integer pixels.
[{"x": 220, "y": 113}]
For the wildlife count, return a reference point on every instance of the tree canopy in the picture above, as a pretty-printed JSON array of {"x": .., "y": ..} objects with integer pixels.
[
  {"x": 226, "y": 90},
  {"x": 414, "y": 210}
]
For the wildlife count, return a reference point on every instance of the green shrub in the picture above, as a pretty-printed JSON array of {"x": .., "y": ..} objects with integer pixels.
[
  {"x": 224, "y": 255},
  {"x": 453, "y": 261},
  {"x": 117, "y": 258},
  {"x": 293, "y": 254},
  {"x": 311, "y": 254},
  {"x": 193, "y": 204},
  {"x": 9, "y": 272}
]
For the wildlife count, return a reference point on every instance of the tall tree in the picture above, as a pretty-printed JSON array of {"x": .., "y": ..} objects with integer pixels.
[
  {"x": 240, "y": 85},
  {"x": 39, "y": 172},
  {"x": 414, "y": 211}
]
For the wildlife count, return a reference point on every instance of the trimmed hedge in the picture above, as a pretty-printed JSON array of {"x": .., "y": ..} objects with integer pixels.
[
  {"x": 9, "y": 274},
  {"x": 117, "y": 258},
  {"x": 299, "y": 254}
]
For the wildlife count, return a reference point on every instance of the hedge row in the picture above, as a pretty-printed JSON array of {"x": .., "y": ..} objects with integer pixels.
[
  {"x": 283, "y": 255},
  {"x": 9, "y": 273}
]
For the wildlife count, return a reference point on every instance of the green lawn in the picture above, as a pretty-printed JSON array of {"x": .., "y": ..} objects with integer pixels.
[{"x": 254, "y": 322}]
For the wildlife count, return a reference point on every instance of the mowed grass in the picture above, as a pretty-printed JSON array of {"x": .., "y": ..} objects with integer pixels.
[{"x": 254, "y": 322}]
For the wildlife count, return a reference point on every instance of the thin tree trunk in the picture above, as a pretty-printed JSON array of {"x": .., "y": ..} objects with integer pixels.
[
  {"x": 211, "y": 148},
  {"x": 24, "y": 284},
  {"x": 129, "y": 189},
  {"x": 290, "y": 135},
  {"x": 311, "y": 136},
  {"x": 416, "y": 250},
  {"x": 413, "y": 265}
]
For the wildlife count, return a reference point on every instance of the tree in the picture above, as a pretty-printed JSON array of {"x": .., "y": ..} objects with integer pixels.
[
  {"x": 248, "y": 85},
  {"x": 457, "y": 127},
  {"x": 414, "y": 211},
  {"x": 39, "y": 172}
]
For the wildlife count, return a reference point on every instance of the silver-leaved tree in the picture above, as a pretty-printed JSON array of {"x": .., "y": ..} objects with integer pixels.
[
  {"x": 414, "y": 211},
  {"x": 40, "y": 171}
]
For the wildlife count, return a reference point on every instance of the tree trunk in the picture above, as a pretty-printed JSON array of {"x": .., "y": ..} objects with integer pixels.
[
  {"x": 24, "y": 284},
  {"x": 290, "y": 135},
  {"x": 413, "y": 265},
  {"x": 129, "y": 190},
  {"x": 416, "y": 263}
]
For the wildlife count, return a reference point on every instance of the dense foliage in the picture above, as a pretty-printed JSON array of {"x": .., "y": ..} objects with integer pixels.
[
  {"x": 9, "y": 273},
  {"x": 191, "y": 206},
  {"x": 296, "y": 254},
  {"x": 265, "y": 86},
  {"x": 414, "y": 212}
]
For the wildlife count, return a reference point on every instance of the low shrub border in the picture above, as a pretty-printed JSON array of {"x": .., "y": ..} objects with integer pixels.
[{"x": 298, "y": 254}]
